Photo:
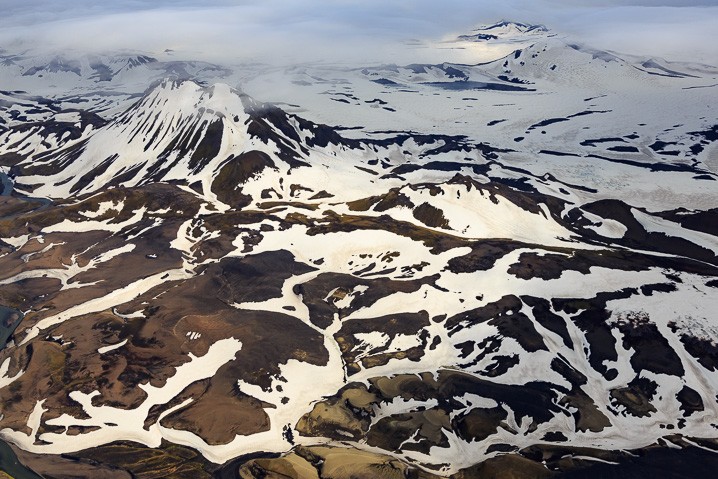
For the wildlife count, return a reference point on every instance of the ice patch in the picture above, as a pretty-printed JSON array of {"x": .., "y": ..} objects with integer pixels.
[{"x": 112, "y": 347}]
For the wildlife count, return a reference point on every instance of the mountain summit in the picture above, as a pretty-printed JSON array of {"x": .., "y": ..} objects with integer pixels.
[{"x": 506, "y": 31}]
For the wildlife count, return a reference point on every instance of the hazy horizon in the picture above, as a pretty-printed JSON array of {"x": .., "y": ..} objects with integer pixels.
[{"x": 320, "y": 30}]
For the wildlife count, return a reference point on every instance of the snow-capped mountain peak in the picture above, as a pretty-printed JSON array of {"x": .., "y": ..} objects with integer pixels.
[
  {"x": 181, "y": 98},
  {"x": 175, "y": 130},
  {"x": 506, "y": 31}
]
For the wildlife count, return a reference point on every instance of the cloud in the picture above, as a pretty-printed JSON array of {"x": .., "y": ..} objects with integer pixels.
[
  {"x": 675, "y": 33},
  {"x": 347, "y": 30}
]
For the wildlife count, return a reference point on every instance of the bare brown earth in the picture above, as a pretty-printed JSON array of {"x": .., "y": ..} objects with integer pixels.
[
  {"x": 167, "y": 462},
  {"x": 65, "y": 357},
  {"x": 335, "y": 416},
  {"x": 124, "y": 460},
  {"x": 334, "y": 463},
  {"x": 536, "y": 462},
  {"x": 61, "y": 467},
  {"x": 356, "y": 431}
]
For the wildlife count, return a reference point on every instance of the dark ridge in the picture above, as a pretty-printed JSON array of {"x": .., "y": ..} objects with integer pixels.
[
  {"x": 518, "y": 191},
  {"x": 54, "y": 161},
  {"x": 665, "y": 72},
  {"x": 235, "y": 172},
  {"x": 155, "y": 136},
  {"x": 447, "y": 147},
  {"x": 703, "y": 221},
  {"x": 550, "y": 177},
  {"x": 636, "y": 396},
  {"x": 588, "y": 112},
  {"x": 593, "y": 142},
  {"x": 127, "y": 174},
  {"x": 652, "y": 352},
  {"x": 653, "y": 167},
  {"x": 623, "y": 149},
  {"x": 478, "y": 37},
  {"x": 139, "y": 127},
  {"x": 596, "y": 54},
  {"x": 208, "y": 147},
  {"x": 483, "y": 256},
  {"x": 430, "y": 216},
  {"x": 541, "y": 310},
  {"x": 416, "y": 68},
  {"x": 562, "y": 366},
  {"x": 322, "y": 135},
  {"x": 690, "y": 401},
  {"x": 258, "y": 125},
  {"x": 520, "y": 184},
  {"x": 505, "y": 314},
  {"x": 88, "y": 177},
  {"x": 102, "y": 71},
  {"x": 666, "y": 463},
  {"x": 348, "y": 95},
  {"x": 229, "y": 469},
  {"x": 385, "y": 81},
  {"x": 65, "y": 130},
  {"x": 500, "y": 365},
  {"x": 56, "y": 65},
  {"x": 554, "y": 436},
  {"x": 391, "y": 325},
  {"x": 255, "y": 278},
  {"x": 513, "y": 80},
  {"x": 700, "y": 86},
  {"x": 391, "y": 199},
  {"x": 159, "y": 168},
  {"x": 557, "y": 153},
  {"x": 592, "y": 319},
  {"x": 536, "y": 399},
  {"x": 704, "y": 350},
  {"x": 452, "y": 72},
  {"x": 478, "y": 424},
  {"x": 475, "y": 85},
  {"x": 708, "y": 135},
  {"x": 637, "y": 237},
  {"x": 366, "y": 170},
  {"x": 649, "y": 289},
  {"x": 501, "y": 448},
  {"x": 140, "y": 60},
  {"x": 322, "y": 312},
  {"x": 658, "y": 145},
  {"x": 548, "y": 122},
  {"x": 182, "y": 143}
]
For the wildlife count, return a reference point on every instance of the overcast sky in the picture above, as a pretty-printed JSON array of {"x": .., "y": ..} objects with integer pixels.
[{"x": 240, "y": 30}]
